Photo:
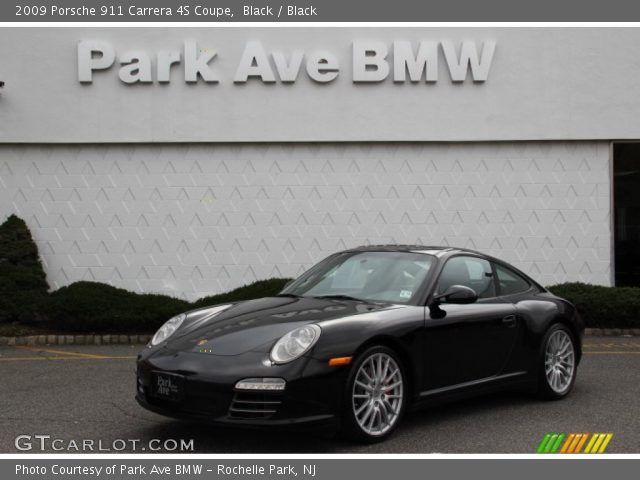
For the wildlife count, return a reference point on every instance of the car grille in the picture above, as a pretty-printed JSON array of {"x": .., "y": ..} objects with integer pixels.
[{"x": 254, "y": 405}]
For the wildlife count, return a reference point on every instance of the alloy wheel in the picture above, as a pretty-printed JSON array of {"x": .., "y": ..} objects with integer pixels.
[
  {"x": 378, "y": 393},
  {"x": 559, "y": 361}
]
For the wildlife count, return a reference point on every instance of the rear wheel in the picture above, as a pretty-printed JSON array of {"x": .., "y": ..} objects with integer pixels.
[
  {"x": 557, "y": 361},
  {"x": 375, "y": 396}
]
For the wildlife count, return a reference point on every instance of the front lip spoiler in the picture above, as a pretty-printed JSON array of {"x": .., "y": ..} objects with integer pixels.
[{"x": 328, "y": 421}]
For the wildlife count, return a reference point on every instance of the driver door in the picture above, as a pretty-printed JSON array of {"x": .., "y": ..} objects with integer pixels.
[{"x": 469, "y": 342}]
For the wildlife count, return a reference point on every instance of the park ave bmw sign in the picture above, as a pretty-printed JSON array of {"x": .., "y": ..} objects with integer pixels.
[{"x": 371, "y": 62}]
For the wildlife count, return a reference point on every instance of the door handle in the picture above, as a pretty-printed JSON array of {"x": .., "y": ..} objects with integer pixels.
[{"x": 509, "y": 321}]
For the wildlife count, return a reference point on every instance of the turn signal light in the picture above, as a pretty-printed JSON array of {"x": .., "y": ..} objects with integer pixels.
[{"x": 338, "y": 361}]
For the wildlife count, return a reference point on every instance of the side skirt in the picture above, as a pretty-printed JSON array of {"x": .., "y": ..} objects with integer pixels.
[{"x": 481, "y": 386}]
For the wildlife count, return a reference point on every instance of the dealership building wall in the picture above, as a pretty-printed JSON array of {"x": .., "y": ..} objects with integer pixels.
[
  {"x": 195, "y": 219},
  {"x": 187, "y": 190}
]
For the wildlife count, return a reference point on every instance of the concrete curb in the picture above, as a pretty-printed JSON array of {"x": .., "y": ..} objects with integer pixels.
[
  {"x": 143, "y": 339},
  {"x": 612, "y": 332},
  {"x": 76, "y": 340}
]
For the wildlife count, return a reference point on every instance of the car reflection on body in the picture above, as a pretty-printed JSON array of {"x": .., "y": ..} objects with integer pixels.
[{"x": 362, "y": 337}]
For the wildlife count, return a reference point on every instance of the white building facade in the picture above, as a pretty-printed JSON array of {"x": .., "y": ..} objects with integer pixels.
[{"x": 190, "y": 161}]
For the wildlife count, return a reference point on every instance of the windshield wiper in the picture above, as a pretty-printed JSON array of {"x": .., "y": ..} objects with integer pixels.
[
  {"x": 289, "y": 295},
  {"x": 339, "y": 297}
]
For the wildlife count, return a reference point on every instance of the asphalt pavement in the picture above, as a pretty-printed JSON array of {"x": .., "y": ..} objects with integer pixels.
[{"x": 64, "y": 396}]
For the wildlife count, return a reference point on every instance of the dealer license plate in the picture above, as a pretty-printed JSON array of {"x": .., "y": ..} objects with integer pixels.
[{"x": 168, "y": 386}]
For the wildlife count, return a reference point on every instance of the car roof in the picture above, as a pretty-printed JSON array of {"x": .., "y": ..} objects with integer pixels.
[
  {"x": 438, "y": 251},
  {"x": 429, "y": 249}
]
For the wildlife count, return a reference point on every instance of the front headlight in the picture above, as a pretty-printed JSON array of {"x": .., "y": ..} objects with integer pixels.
[
  {"x": 295, "y": 343},
  {"x": 168, "y": 329}
]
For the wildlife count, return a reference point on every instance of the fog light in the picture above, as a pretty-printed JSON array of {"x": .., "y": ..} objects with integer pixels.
[{"x": 270, "y": 384}]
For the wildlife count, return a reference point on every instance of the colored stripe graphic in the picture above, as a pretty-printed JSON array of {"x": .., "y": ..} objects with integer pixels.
[
  {"x": 581, "y": 443},
  {"x": 543, "y": 443},
  {"x": 598, "y": 443},
  {"x": 574, "y": 442},
  {"x": 570, "y": 438},
  {"x": 606, "y": 441},
  {"x": 550, "y": 443},
  {"x": 555, "y": 447},
  {"x": 590, "y": 444}
]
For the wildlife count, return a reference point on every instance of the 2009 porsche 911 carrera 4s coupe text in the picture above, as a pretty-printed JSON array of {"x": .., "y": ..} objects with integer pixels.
[{"x": 362, "y": 337}]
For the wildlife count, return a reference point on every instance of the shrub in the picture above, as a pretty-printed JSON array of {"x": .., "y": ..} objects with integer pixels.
[
  {"x": 261, "y": 288},
  {"x": 23, "y": 283},
  {"x": 603, "y": 307},
  {"x": 97, "y": 307},
  {"x": 85, "y": 307}
]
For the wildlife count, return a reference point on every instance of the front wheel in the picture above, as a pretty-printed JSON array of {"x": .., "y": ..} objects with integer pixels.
[
  {"x": 557, "y": 363},
  {"x": 375, "y": 396}
]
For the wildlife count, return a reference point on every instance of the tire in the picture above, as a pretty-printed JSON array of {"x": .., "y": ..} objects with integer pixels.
[
  {"x": 375, "y": 396},
  {"x": 557, "y": 363}
]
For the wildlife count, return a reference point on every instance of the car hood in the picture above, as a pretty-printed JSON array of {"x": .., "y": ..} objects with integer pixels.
[{"x": 258, "y": 324}]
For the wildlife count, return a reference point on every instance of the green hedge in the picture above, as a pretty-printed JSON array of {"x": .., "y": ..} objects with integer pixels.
[
  {"x": 603, "y": 307},
  {"x": 23, "y": 283},
  {"x": 97, "y": 308}
]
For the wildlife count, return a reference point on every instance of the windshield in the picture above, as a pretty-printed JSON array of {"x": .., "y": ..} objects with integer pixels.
[{"x": 393, "y": 277}]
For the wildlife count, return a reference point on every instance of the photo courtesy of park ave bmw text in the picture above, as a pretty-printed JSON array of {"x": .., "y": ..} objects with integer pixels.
[{"x": 292, "y": 239}]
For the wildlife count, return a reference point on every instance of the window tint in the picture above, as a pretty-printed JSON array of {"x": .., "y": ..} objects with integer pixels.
[
  {"x": 471, "y": 272},
  {"x": 510, "y": 282}
]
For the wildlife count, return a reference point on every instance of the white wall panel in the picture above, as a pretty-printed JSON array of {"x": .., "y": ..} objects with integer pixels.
[{"x": 196, "y": 219}]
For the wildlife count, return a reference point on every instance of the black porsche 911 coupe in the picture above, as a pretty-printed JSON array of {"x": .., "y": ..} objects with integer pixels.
[{"x": 360, "y": 338}]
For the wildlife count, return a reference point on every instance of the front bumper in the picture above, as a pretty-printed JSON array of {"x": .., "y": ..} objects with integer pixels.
[
  {"x": 323, "y": 422},
  {"x": 312, "y": 397}
]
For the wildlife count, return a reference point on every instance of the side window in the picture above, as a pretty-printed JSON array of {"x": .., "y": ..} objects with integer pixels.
[
  {"x": 471, "y": 272},
  {"x": 510, "y": 282}
]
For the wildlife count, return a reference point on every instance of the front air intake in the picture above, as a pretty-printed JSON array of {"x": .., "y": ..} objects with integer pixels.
[{"x": 254, "y": 405}]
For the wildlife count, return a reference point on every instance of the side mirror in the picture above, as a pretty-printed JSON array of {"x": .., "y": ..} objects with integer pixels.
[{"x": 457, "y": 294}]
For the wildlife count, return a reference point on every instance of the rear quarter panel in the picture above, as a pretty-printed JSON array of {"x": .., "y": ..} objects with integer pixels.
[{"x": 538, "y": 312}]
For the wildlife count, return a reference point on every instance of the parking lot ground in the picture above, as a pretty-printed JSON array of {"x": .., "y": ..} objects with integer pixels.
[
  {"x": 33, "y": 353},
  {"x": 85, "y": 393}
]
